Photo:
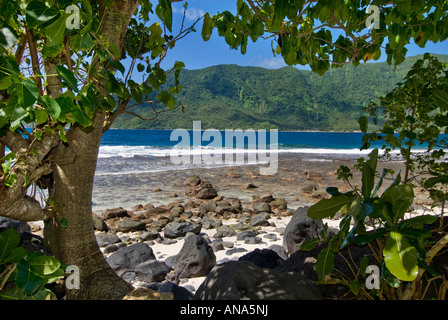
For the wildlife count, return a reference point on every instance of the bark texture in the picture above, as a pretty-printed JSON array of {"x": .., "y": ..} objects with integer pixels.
[{"x": 73, "y": 167}]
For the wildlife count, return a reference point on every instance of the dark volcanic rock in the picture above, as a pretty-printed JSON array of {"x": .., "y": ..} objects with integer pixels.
[{"x": 237, "y": 280}]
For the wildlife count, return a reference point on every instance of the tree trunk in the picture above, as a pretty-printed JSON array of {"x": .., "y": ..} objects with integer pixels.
[{"x": 69, "y": 233}]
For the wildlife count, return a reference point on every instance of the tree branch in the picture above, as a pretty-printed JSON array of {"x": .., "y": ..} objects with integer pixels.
[{"x": 34, "y": 58}]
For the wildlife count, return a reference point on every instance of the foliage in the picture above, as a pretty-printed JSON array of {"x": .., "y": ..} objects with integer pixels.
[
  {"x": 414, "y": 109},
  {"x": 23, "y": 274},
  {"x": 416, "y": 113},
  {"x": 300, "y": 29}
]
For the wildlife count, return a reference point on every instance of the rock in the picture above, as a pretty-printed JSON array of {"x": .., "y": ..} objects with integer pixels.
[
  {"x": 208, "y": 223},
  {"x": 208, "y": 206},
  {"x": 303, "y": 262},
  {"x": 224, "y": 231},
  {"x": 228, "y": 244},
  {"x": 8, "y": 223},
  {"x": 129, "y": 225},
  {"x": 309, "y": 189},
  {"x": 177, "y": 229},
  {"x": 279, "y": 203},
  {"x": 143, "y": 293},
  {"x": 315, "y": 177},
  {"x": 263, "y": 198},
  {"x": 299, "y": 229},
  {"x": 105, "y": 239},
  {"x": 245, "y": 234},
  {"x": 192, "y": 181},
  {"x": 207, "y": 193},
  {"x": 235, "y": 250},
  {"x": 238, "y": 280},
  {"x": 179, "y": 293},
  {"x": 98, "y": 223},
  {"x": 195, "y": 259},
  {"x": 253, "y": 240},
  {"x": 152, "y": 271},
  {"x": 116, "y": 213},
  {"x": 217, "y": 245},
  {"x": 260, "y": 219},
  {"x": 280, "y": 250},
  {"x": 265, "y": 258},
  {"x": 149, "y": 235},
  {"x": 261, "y": 207},
  {"x": 150, "y": 212},
  {"x": 110, "y": 248},
  {"x": 249, "y": 186},
  {"x": 127, "y": 258},
  {"x": 233, "y": 175},
  {"x": 177, "y": 210},
  {"x": 33, "y": 243}
]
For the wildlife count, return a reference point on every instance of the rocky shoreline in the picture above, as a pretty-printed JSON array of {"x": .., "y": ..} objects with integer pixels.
[{"x": 224, "y": 233}]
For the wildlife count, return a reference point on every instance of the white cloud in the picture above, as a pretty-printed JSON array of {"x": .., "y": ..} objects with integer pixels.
[
  {"x": 192, "y": 13},
  {"x": 272, "y": 63}
]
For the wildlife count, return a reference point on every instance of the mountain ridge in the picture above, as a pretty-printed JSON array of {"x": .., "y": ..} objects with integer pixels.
[{"x": 230, "y": 96}]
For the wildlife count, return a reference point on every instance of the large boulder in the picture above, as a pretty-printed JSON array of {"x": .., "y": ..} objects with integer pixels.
[
  {"x": 300, "y": 228},
  {"x": 106, "y": 238},
  {"x": 238, "y": 280},
  {"x": 178, "y": 229},
  {"x": 8, "y": 223},
  {"x": 195, "y": 259},
  {"x": 129, "y": 257},
  {"x": 264, "y": 258},
  {"x": 129, "y": 225},
  {"x": 152, "y": 271}
]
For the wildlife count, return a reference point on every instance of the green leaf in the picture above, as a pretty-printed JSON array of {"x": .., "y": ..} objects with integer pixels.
[
  {"x": 9, "y": 239},
  {"x": 165, "y": 13},
  {"x": 207, "y": 27},
  {"x": 15, "y": 255},
  {"x": 41, "y": 116},
  {"x": 117, "y": 65},
  {"x": 361, "y": 240},
  {"x": 27, "y": 279},
  {"x": 363, "y": 123},
  {"x": 82, "y": 42},
  {"x": 27, "y": 93},
  {"x": 328, "y": 207},
  {"x": 68, "y": 77},
  {"x": 37, "y": 13},
  {"x": 55, "y": 32},
  {"x": 8, "y": 37},
  {"x": 400, "y": 257},
  {"x": 11, "y": 180},
  {"x": 112, "y": 84},
  {"x": 309, "y": 245},
  {"x": 43, "y": 264},
  {"x": 401, "y": 198},
  {"x": 418, "y": 222},
  {"x": 324, "y": 263},
  {"x": 52, "y": 107},
  {"x": 81, "y": 117},
  {"x": 368, "y": 180}
]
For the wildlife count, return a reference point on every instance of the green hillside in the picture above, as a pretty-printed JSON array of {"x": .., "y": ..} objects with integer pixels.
[{"x": 231, "y": 96}]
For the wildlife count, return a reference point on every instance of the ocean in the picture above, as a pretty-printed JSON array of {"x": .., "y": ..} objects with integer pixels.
[{"x": 144, "y": 151}]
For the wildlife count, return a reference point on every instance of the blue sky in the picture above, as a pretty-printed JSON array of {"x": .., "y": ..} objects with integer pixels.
[{"x": 198, "y": 54}]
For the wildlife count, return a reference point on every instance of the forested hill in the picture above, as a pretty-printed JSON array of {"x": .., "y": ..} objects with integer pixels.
[{"x": 231, "y": 97}]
